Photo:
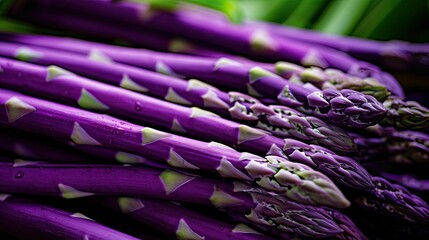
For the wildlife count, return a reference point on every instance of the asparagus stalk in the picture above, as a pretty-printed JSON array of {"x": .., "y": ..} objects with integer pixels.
[
  {"x": 281, "y": 121},
  {"x": 403, "y": 147},
  {"x": 405, "y": 114},
  {"x": 33, "y": 147},
  {"x": 397, "y": 202},
  {"x": 87, "y": 128},
  {"x": 331, "y": 78},
  {"x": 411, "y": 177},
  {"x": 30, "y": 220},
  {"x": 42, "y": 149},
  {"x": 394, "y": 55},
  {"x": 343, "y": 169},
  {"x": 107, "y": 155},
  {"x": 184, "y": 224},
  {"x": 400, "y": 113},
  {"x": 407, "y": 180},
  {"x": 74, "y": 181},
  {"x": 149, "y": 39},
  {"x": 330, "y": 162},
  {"x": 256, "y": 43},
  {"x": 351, "y": 231}
]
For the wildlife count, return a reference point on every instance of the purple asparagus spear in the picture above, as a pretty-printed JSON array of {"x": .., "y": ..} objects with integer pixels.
[
  {"x": 87, "y": 128},
  {"x": 413, "y": 179},
  {"x": 74, "y": 181},
  {"x": 330, "y": 162},
  {"x": 183, "y": 224},
  {"x": 30, "y": 220},
  {"x": 148, "y": 39},
  {"x": 295, "y": 150},
  {"x": 279, "y": 120},
  {"x": 400, "y": 113},
  {"x": 398, "y": 201},
  {"x": 351, "y": 231},
  {"x": 35, "y": 147},
  {"x": 405, "y": 114},
  {"x": 327, "y": 78},
  {"x": 390, "y": 145},
  {"x": 407, "y": 180},
  {"x": 395, "y": 55}
]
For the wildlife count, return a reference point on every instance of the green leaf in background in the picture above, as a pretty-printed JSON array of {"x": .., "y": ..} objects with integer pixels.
[
  {"x": 395, "y": 19},
  {"x": 230, "y": 8},
  {"x": 305, "y": 13},
  {"x": 277, "y": 10},
  {"x": 341, "y": 17},
  {"x": 13, "y": 25},
  {"x": 4, "y": 6}
]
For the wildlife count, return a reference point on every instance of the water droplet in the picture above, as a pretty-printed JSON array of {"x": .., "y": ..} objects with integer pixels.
[
  {"x": 138, "y": 106},
  {"x": 19, "y": 174},
  {"x": 108, "y": 170},
  {"x": 110, "y": 140}
]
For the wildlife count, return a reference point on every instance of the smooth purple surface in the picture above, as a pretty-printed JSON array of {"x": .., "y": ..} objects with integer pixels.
[
  {"x": 395, "y": 55},
  {"x": 36, "y": 147}
]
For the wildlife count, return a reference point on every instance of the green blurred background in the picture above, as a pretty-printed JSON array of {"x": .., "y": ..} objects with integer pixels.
[{"x": 375, "y": 19}]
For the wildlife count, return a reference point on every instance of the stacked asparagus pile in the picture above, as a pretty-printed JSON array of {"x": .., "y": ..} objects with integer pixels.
[{"x": 196, "y": 142}]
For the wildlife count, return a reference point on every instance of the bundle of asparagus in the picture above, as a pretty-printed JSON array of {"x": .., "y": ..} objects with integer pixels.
[{"x": 197, "y": 142}]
